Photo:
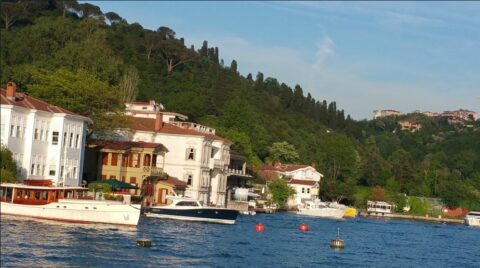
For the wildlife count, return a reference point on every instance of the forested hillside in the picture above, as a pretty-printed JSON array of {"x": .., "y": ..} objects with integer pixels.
[{"x": 91, "y": 62}]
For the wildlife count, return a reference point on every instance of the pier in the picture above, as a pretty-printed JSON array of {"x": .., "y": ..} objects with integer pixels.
[{"x": 413, "y": 217}]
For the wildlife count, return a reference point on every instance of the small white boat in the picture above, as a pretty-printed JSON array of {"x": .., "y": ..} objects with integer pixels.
[
  {"x": 473, "y": 219},
  {"x": 68, "y": 204},
  {"x": 188, "y": 209},
  {"x": 321, "y": 209}
]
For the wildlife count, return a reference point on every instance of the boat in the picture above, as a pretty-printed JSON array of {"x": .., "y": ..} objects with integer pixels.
[
  {"x": 473, "y": 219},
  {"x": 321, "y": 209},
  {"x": 189, "y": 209},
  {"x": 65, "y": 203}
]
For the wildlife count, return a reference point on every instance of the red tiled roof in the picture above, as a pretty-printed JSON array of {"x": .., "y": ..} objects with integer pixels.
[
  {"x": 123, "y": 145},
  {"x": 175, "y": 182},
  {"x": 148, "y": 124},
  {"x": 303, "y": 182},
  {"x": 25, "y": 101}
]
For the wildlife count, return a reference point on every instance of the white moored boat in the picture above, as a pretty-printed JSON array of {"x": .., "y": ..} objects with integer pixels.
[
  {"x": 69, "y": 204},
  {"x": 321, "y": 209},
  {"x": 188, "y": 209},
  {"x": 473, "y": 219}
]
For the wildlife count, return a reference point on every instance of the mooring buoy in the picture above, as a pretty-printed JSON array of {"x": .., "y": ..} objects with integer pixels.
[
  {"x": 303, "y": 227},
  {"x": 144, "y": 243},
  {"x": 259, "y": 227},
  {"x": 337, "y": 242}
]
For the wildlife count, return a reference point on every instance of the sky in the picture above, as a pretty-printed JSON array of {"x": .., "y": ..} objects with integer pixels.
[{"x": 364, "y": 55}]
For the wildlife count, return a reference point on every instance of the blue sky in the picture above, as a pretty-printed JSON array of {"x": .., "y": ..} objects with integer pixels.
[{"x": 363, "y": 55}]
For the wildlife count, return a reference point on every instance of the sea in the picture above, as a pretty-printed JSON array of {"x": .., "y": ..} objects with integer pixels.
[{"x": 369, "y": 242}]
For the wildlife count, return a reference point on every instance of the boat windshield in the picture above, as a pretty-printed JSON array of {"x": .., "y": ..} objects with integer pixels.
[{"x": 187, "y": 204}]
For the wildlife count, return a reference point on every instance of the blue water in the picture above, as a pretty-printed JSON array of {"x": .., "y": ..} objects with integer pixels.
[{"x": 369, "y": 243}]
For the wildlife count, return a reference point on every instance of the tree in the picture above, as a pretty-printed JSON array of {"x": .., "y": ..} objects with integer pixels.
[
  {"x": 283, "y": 152},
  {"x": 174, "y": 54},
  {"x": 151, "y": 42},
  {"x": 128, "y": 85},
  {"x": 166, "y": 33},
  {"x": 10, "y": 12},
  {"x": 113, "y": 17},
  {"x": 8, "y": 167},
  {"x": 280, "y": 191},
  {"x": 338, "y": 156},
  {"x": 233, "y": 66}
]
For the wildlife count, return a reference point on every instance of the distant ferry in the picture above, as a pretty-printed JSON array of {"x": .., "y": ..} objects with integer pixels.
[
  {"x": 188, "y": 209},
  {"x": 68, "y": 204},
  {"x": 473, "y": 219}
]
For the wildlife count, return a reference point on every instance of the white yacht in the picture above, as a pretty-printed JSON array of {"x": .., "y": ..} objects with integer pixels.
[
  {"x": 188, "y": 209},
  {"x": 321, "y": 209},
  {"x": 473, "y": 219},
  {"x": 68, "y": 204}
]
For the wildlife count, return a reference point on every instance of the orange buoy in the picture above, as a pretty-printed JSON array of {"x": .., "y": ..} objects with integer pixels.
[
  {"x": 259, "y": 227},
  {"x": 303, "y": 227}
]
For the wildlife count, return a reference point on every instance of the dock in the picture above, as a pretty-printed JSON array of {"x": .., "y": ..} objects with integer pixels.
[{"x": 413, "y": 217}]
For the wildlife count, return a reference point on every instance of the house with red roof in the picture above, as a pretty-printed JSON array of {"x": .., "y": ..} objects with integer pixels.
[
  {"x": 46, "y": 141},
  {"x": 304, "y": 179},
  {"x": 196, "y": 155}
]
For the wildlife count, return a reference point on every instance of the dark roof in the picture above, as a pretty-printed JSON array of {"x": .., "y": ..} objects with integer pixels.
[
  {"x": 125, "y": 145},
  {"x": 282, "y": 167}
]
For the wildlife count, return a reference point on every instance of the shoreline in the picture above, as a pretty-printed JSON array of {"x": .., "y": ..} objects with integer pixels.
[{"x": 414, "y": 217}]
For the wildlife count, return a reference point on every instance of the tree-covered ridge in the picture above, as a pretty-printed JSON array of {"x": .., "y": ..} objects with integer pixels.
[{"x": 91, "y": 62}]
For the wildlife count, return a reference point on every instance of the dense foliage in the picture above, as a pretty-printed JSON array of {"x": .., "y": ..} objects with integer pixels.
[
  {"x": 8, "y": 167},
  {"x": 75, "y": 56}
]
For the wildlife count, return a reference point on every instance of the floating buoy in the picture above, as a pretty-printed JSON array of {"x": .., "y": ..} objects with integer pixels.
[
  {"x": 259, "y": 227},
  {"x": 337, "y": 243},
  {"x": 303, "y": 227},
  {"x": 144, "y": 243}
]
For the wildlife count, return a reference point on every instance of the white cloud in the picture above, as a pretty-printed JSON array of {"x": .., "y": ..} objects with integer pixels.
[{"x": 324, "y": 50}]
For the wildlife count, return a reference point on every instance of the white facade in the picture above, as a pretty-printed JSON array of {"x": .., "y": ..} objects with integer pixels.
[
  {"x": 304, "y": 173},
  {"x": 45, "y": 145}
]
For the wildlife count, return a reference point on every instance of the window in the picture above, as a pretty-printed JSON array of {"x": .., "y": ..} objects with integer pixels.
[
  {"x": 51, "y": 172},
  {"x": 113, "y": 177},
  {"x": 32, "y": 170},
  {"x": 38, "y": 170},
  {"x": 187, "y": 204},
  {"x": 61, "y": 172},
  {"x": 103, "y": 177},
  {"x": 36, "y": 134},
  {"x": 114, "y": 159},
  {"x": 308, "y": 190},
  {"x": 146, "y": 160},
  {"x": 44, "y": 195},
  {"x": 19, "y": 135},
  {"x": 64, "y": 138},
  {"x": 212, "y": 154},
  {"x": 74, "y": 172},
  {"x": 133, "y": 180},
  {"x": 12, "y": 128},
  {"x": 36, "y": 196},
  {"x": 190, "y": 154},
  {"x": 76, "y": 141},
  {"x": 70, "y": 141},
  {"x": 55, "y": 137},
  {"x": 41, "y": 134},
  {"x": 303, "y": 190},
  {"x": 189, "y": 179},
  {"x": 136, "y": 160},
  {"x": 105, "y": 159},
  {"x": 144, "y": 108},
  {"x": 125, "y": 160}
]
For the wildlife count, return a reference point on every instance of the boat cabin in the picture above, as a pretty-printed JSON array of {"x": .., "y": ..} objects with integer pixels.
[
  {"x": 378, "y": 207},
  {"x": 38, "y": 194}
]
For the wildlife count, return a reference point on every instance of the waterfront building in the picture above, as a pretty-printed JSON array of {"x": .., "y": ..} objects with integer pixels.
[
  {"x": 197, "y": 156},
  {"x": 237, "y": 176},
  {"x": 462, "y": 114},
  {"x": 127, "y": 161},
  {"x": 156, "y": 189},
  {"x": 46, "y": 141},
  {"x": 303, "y": 178}
]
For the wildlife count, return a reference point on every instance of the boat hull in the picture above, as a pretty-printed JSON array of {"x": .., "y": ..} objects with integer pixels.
[
  {"x": 225, "y": 216},
  {"x": 331, "y": 213},
  {"x": 472, "y": 221},
  {"x": 78, "y": 211}
]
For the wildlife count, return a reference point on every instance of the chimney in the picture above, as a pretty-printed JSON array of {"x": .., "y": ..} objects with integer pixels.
[
  {"x": 11, "y": 90},
  {"x": 158, "y": 121}
]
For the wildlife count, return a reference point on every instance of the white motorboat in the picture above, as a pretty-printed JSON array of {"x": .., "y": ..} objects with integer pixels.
[
  {"x": 321, "y": 209},
  {"x": 473, "y": 219},
  {"x": 64, "y": 203},
  {"x": 188, "y": 209}
]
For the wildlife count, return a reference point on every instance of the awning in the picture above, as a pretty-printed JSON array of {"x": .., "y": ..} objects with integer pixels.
[{"x": 116, "y": 184}]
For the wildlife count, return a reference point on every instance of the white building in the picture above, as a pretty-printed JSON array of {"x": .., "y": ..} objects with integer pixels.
[
  {"x": 305, "y": 180},
  {"x": 46, "y": 141},
  {"x": 383, "y": 113},
  {"x": 196, "y": 155}
]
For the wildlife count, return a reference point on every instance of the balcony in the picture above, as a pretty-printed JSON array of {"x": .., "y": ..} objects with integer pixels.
[
  {"x": 239, "y": 172},
  {"x": 156, "y": 171},
  {"x": 218, "y": 163}
]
